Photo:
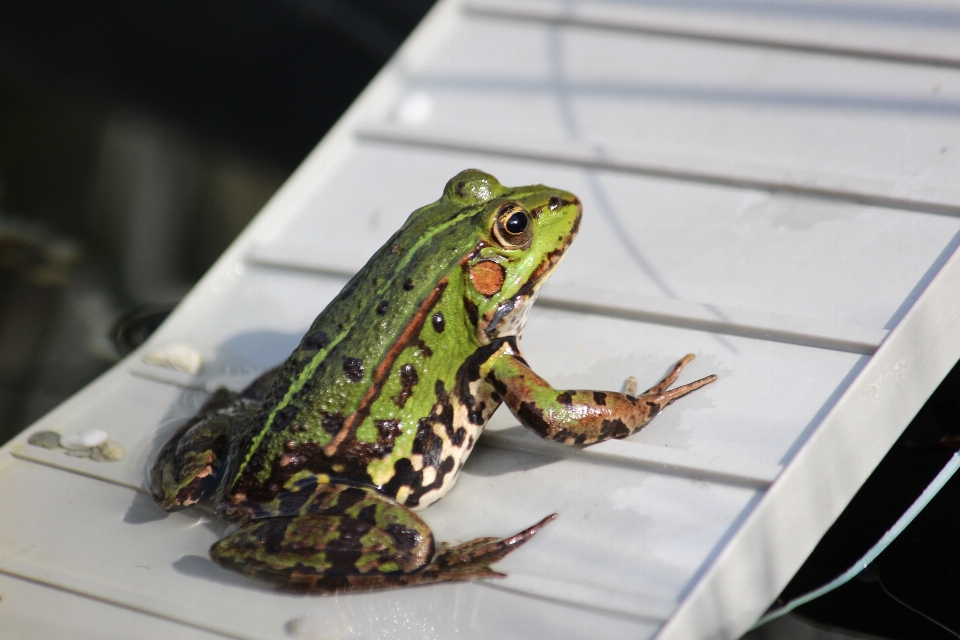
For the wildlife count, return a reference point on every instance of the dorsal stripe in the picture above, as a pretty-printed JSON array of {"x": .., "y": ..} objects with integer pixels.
[
  {"x": 308, "y": 371},
  {"x": 408, "y": 337}
]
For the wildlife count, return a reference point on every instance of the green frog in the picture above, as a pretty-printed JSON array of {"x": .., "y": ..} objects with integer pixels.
[{"x": 322, "y": 462}]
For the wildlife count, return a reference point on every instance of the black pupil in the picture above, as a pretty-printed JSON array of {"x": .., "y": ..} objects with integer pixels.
[{"x": 517, "y": 223}]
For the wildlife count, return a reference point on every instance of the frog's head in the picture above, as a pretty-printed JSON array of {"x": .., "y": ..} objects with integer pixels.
[{"x": 523, "y": 234}]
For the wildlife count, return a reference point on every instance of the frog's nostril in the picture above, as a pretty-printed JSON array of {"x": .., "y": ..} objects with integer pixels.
[{"x": 555, "y": 202}]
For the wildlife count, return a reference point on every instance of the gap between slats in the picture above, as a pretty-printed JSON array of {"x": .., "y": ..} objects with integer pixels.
[
  {"x": 741, "y": 176},
  {"x": 557, "y": 14},
  {"x": 745, "y": 323}
]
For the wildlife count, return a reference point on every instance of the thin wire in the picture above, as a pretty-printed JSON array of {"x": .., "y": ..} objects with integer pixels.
[
  {"x": 915, "y": 610},
  {"x": 942, "y": 478}
]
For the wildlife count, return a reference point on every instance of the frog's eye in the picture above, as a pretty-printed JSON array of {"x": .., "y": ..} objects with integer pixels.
[{"x": 512, "y": 228}]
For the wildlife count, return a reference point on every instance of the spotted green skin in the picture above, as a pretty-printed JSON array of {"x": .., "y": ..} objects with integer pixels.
[{"x": 322, "y": 461}]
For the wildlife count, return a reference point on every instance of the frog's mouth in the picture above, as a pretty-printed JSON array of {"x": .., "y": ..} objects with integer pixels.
[{"x": 511, "y": 314}]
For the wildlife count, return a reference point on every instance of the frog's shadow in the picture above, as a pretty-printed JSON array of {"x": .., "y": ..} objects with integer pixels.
[{"x": 206, "y": 569}]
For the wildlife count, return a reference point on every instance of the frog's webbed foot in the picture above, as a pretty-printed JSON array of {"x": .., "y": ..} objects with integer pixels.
[
  {"x": 472, "y": 559},
  {"x": 660, "y": 393}
]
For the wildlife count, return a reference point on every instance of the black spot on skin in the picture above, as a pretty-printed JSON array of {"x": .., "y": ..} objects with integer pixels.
[
  {"x": 332, "y": 423},
  {"x": 460, "y": 186},
  {"x": 445, "y": 417},
  {"x": 283, "y": 418},
  {"x": 388, "y": 429},
  {"x": 424, "y": 350},
  {"x": 403, "y": 475},
  {"x": 472, "y": 311},
  {"x": 408, "y": 285},
  {"x": 580, "y": 439},
  {"x": 353, "y": 367},
  {"x": 427, "y": 443},
  {"x": 315, "y": 341},
  {"x": 614, "y": 428},
  {"x": 382, "y": 307},
  {"x": 600, "y": 398},
  {"x": 565, "y": 398},
  {"x": 405, "y": 537},
  {"x": 501, "y": 389},
  {"x": 368, "y": 514},
  {"x": 654, "y": 409},
  {"x": 357, "y": 454},
  {"x": 530, "y": 415},
  {"x": 292, "y": 502},
  {"x": 439, "y": 324},
  {"x": 408, "y": 378}
]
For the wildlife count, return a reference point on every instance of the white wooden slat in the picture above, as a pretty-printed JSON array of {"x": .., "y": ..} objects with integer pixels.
[
  {"x": 861, "y": 427},
  {"x": 135, "y": 555},
  {"x": 911, "y": 32},
  {"x": 30, "y": 611},
  {"x": 648, "y": 245},
  {"x": 862, "y": 130}
]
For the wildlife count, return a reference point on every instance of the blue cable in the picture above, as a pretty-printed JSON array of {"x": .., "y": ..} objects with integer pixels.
[{"x": 932, "y": 489}]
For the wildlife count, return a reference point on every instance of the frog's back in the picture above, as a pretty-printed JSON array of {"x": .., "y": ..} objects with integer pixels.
[{"x": 368, "y": 396}]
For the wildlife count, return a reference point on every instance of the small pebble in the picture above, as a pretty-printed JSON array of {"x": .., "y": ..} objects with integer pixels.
[
  {"x": 45, "y": 439},
  {"x": 109, "y": 451},
  {"x": 181, "y": 357},
  {"x": 84, "y": 440}
]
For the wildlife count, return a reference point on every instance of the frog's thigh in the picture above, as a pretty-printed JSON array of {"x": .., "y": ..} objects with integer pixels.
[{"x": 320, "y": 552}]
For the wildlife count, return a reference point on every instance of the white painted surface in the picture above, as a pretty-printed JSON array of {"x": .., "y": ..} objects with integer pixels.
[
  {"x": 917, "y": 32},
  {"x": 776, "y": 211}
]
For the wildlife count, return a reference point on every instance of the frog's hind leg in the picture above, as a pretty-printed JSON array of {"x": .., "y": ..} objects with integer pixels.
[{"x": 350, "y": 538}]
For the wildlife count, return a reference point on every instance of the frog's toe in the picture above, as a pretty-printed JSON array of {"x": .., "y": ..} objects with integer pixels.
[{"x": 482, "y": 552}]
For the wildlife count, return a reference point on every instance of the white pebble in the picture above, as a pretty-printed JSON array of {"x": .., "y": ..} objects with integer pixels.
[
  {"x": 181, "y": 357},
  {"x": 84, "y": 440}
]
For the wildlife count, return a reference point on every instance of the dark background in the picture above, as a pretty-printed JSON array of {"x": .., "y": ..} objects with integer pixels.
[{"x": 138, "y": 138}]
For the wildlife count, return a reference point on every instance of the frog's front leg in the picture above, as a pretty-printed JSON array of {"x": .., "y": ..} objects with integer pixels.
[
  {"x": 352, "y": 538},
  {"x": 580, "y": 417}
]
